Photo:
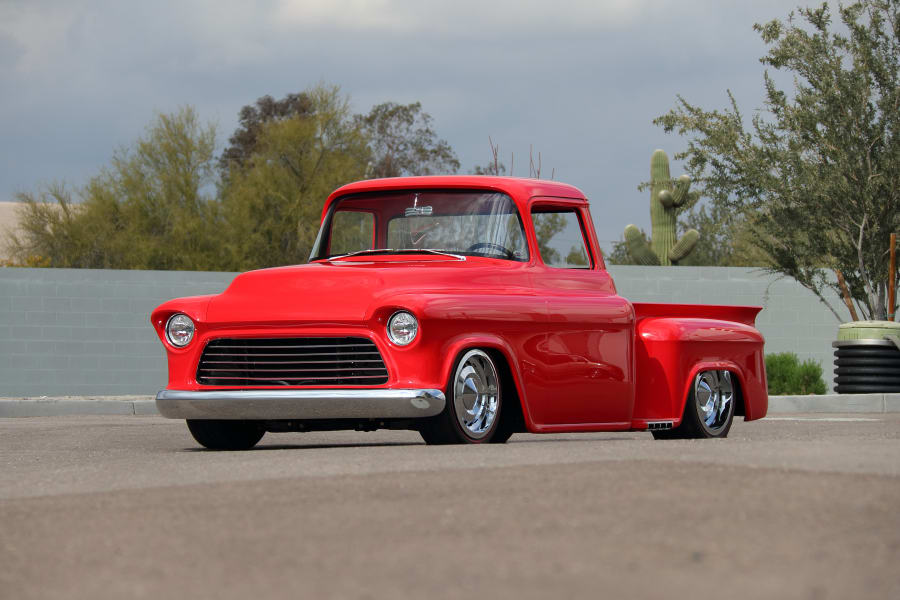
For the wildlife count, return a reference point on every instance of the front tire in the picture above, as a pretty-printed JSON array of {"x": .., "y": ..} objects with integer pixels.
[
  {"x": 226, "y": 435},
  {"x": 472, "y": 412},
  {"x": 709, "y": 410}
]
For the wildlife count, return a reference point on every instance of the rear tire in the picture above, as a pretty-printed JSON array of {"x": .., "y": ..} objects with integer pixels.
[
  {"x": 709, "y": 410},
  {"x": 226, "y": 435}
]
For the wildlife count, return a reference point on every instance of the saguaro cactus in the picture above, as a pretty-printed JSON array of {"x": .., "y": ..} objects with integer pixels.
[{"x": 666, "y": 197}]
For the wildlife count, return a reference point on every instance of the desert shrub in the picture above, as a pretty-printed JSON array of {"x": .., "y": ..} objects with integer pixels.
[{"x": 788, "y": 376}]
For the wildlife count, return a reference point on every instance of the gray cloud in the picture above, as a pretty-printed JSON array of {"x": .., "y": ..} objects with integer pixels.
[{"x": 578, "y": 81}]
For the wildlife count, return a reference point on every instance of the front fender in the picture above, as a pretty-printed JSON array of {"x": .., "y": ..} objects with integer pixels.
[
  {"x": 193, "y": 306},
  {"x": 455, "y": 346},
  {"x": 181, "y": 361}
]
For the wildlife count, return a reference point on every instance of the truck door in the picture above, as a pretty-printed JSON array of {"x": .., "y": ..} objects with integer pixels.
[{"x": 586, "y": 354}]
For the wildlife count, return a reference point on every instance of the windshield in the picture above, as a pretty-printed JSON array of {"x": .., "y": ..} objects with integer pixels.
[{"x": 470, "y": 223}]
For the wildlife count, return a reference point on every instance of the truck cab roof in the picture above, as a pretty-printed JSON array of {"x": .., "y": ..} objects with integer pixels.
[{"x": 518, "y": 188}]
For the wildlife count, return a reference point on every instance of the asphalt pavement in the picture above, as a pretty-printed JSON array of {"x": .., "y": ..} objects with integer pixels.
[{"x": 794, "y": 506}]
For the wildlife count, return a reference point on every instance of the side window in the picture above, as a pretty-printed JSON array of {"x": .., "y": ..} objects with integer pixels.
[
  {"x": 351, "y": 231},
  {"x": 560, "y": 240}
]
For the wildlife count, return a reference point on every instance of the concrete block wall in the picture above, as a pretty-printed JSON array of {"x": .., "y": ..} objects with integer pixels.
[{"x": 73, "y": 332}]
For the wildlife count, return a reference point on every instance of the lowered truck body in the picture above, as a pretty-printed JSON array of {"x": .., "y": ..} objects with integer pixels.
[{"x": 468, "y": 308}]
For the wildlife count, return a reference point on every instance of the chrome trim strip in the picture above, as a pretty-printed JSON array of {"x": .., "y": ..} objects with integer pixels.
[
  {"x": 300, "y": 404},
  {"x": 396, "y": 252}
]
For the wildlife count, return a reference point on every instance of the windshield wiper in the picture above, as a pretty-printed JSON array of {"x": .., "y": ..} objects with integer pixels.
[{"x": 398, "y": 251}]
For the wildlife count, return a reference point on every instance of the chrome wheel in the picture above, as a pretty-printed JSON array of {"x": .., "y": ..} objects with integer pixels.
[
  {"x": 476, "y": 394},
  {"x": 714, "y": 396}
]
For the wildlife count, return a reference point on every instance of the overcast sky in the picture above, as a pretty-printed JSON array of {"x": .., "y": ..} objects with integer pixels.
[{"x": 580, "y": 81}]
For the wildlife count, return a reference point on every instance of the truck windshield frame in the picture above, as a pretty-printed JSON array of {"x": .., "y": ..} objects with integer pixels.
[{"x": 459, "y": 222}]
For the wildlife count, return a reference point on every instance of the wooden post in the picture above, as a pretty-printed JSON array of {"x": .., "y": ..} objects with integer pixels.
[
  {"x": 846, "y": 293},
  {"x": 892, "y": 284}
]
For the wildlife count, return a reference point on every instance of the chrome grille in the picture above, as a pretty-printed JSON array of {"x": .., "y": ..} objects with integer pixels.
[{"x": 291, "y": 362}]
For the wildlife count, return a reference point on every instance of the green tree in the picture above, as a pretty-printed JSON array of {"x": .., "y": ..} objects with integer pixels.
[
  {"x": 546, "y": 226},
  {"x": 149, "y": 209},
  {"x": 273, "y": 203},
  {"x": 817, "y": 172},
  {"x": 577, "y": 256},
  {"x": 252, "y": 118},
  {"x": 403, "y": 142},
  {"x": 490, "y": 168},
  {"x": 162, "y": 204},
  {"x": 727, "y": 239}
]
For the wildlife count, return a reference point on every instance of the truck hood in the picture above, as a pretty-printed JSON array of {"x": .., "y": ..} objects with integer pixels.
[{"x": 350, "y": 290}]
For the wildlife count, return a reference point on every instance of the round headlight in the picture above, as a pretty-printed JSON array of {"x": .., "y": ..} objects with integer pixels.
[
  {"x": 179, "y": 330},
  {"x": 402, "y": 328}
]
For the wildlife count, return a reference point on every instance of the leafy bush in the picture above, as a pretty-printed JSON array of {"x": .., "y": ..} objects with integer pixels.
[{"x": 788, "y": 376}]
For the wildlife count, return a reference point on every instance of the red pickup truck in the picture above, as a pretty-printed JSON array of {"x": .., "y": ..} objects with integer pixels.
[{"x": 467, "y": 308}]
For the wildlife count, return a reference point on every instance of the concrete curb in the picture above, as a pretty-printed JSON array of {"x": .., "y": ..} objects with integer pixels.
[
  {"x": 835, "y": 403},
  {"x": 146, "y": 405},
  {"x": 77, "y": 405}
]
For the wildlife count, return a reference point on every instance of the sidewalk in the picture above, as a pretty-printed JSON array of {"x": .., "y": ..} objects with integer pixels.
[{"x": 146, "y": 405}]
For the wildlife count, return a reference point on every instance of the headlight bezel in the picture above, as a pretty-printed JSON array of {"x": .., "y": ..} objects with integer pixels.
[
  {"x": 171, "y": 339},
  {"x": 399, "y": 340}
]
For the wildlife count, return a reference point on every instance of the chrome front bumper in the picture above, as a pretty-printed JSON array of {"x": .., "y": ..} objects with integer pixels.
[{"x": 299, "y": 404}]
